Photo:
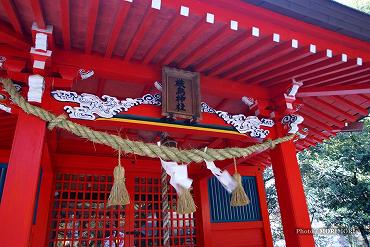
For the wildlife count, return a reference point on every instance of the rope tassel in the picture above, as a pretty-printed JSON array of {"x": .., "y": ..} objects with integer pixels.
[
  {"x": 118, "y": 194},
  {"x": 238, "y": 196},
  {"x": 185, "y": 202}
]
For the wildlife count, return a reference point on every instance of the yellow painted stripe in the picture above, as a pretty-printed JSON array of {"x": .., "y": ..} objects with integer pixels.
[{"x": 134, "y": 121}]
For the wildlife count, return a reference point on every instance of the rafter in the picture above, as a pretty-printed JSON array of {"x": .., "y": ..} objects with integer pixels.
[
  {"x": 220, "y": 53},
  {"x": 319, "y": 124},
  {"x": 329, "y": 79},
  {"x": 66, "y": 25},
  {"x": 352, "y": 105},
  {"x": 333, "y": 90},
  {"x": 93, "y": 15},
  {"x": 321, "y": 103},
  {"x": 145, "y": 24},
  {"x": 275, "y": 63},
  {"x": 10, "y": 10},
  {"x": 37, "y": 12},
  {"x": 316, "y": 67},
  {"x": 256, "y": 46},
  {"x": 313, "y": 58},
  {"x": 322, "y": 115},
  {"x": 7, "y": 36},
  {"x": 329, "y": 71},
  {"x": 267, "y": 56},
  {"x": 166, "y": 35},
  {"x": 193, "y": 34},
  {"x": 205, "y": 46},
  {"x": 353, "y": 79},
  {"x": 121, "y": 16}
]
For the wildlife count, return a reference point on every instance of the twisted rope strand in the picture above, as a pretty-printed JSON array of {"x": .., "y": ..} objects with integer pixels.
[{"x": 136, "y": 147}]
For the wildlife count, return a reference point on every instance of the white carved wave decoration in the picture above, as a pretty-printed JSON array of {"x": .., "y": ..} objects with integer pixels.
[
  {"x": 106, "y": 107},
  {"x": 241, "y": 123},
  {"x": 91, "y": 106}
]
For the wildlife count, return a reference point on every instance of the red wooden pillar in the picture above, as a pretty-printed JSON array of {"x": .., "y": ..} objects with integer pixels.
[
  {"x": 264, "y": 209},
  {"x": 40, "y": 229},
  {"x": 203, "y": 218},
  {"x": 291, "y": 197},
  {"x": 17, "y": 204}
]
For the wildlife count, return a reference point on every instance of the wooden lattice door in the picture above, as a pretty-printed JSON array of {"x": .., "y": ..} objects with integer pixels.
[{"x": 80, "y": 217}]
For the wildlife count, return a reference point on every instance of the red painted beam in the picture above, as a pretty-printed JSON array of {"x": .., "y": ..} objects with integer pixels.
[
  {"x": 191, "y": 37},
  {"x": 321, "y": 115},
  {"x": 352, "y": 105},
  {"x": 37, "y": 12},
  {"x": 269, "y": 21},
  {"x": 275, "y": 63},
  {"x": 333, "y": 90},
  {"x": 166, "y": 35},
  {"x": 141, "y": 73},
  {"x": 10, "y": 11},
  {"x": 329, "y": 71},
  {"x": 319, "y": 124},
  {"x": 220, "y": 53},
  {"x": 316, "y": 67},
  {"x": 121, "y": 16},
  {"x": 334, "y": 108},
  {"x": 307, "y": 61},
  {"x": 355, "y": 80},
  {"x": 338, "y": 77},
  {"x": 93, "y": 6},
  {"x": 275, "y": 52},
  {"x": 65, "y": 21},
  {"x": 254, "y": 48},
  {"x": 145, "y": 24},
  {"x": 206, "y": 46},
  {"x": 7, "y": 36}
]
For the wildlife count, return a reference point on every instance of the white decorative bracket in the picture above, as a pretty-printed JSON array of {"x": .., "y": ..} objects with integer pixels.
[
  {"x": 2, "y": 61},
  {"x": 290, "y": 95},
  {"x": 292, "y": 121},
  {"x": 40, "y": 52},
  {"x": 5, "y": 108},
  {"x": 85, "y": 74},
  {"x": 36, "y": 85}
]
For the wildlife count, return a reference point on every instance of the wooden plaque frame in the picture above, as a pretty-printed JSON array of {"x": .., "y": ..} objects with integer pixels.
[{"x": 191, "y": 79}]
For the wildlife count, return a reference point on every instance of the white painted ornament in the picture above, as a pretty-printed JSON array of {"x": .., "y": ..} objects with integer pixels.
[
  {"x": 292, "y": 121},
  {"x": 85, "y": 74},
  {"x": 107, "y": 107},
  {"x": 2, "y": 61},
  {"x": 5, "y": 108},
  {"x": 36, "y": 89}
]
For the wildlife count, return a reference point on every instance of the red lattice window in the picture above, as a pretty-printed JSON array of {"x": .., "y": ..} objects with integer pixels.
[
  {"x": 80, "y": 216},
  {"x": 148, "y": 216}
]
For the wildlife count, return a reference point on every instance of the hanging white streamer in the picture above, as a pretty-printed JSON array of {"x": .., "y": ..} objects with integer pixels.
[
  {"x": 224, "y": 177},
  {"x": 178, "y": 174}
]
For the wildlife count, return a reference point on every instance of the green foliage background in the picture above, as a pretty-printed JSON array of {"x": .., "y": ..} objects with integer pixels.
[{"x": 336, "y": 178}]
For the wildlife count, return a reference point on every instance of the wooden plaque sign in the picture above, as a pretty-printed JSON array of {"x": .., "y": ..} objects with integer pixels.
[{"x": 181, "y": 93}]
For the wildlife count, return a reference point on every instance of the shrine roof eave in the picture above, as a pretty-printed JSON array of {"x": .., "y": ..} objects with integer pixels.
[{"x": 326, "y": 14}]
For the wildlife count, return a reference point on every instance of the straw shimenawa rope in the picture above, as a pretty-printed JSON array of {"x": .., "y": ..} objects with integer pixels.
[{"x": 136, "y": 147}]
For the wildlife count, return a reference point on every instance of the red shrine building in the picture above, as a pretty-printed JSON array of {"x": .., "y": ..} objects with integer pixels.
[{"x": 206, "y": 75}]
